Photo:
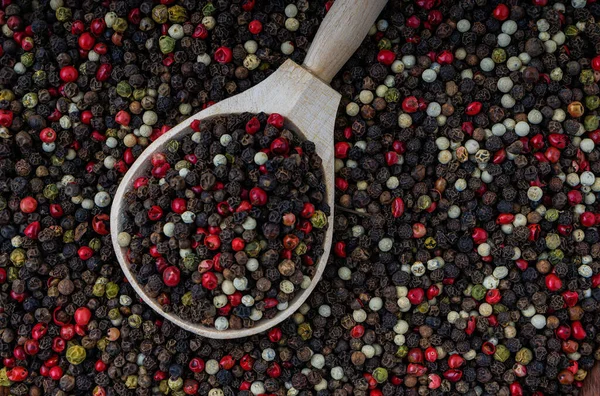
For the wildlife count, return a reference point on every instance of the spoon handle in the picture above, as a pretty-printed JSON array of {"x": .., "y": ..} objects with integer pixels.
[{"x": 341, "y": 33}]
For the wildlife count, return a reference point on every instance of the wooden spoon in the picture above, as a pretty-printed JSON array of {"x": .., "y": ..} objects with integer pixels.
[{"x": 302, "y": 95}]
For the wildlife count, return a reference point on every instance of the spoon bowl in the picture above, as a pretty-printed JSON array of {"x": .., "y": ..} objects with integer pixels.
[{"x": 302, "y": 95}]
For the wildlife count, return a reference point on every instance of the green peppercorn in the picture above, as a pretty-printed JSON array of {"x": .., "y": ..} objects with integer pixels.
[
  {"x": 135, "y": 321},
  {"x": 18, "y": 257},
  {"x": 253, "y": 249},
  {"x": 208, "y": 9},
  {"x": 552, "y": 241},
  {"x": 63, "y": 14},
  {"x": 592, "y": 102},
  {"x": 51, "y": 191},
  {"x": 124, "y": 89},
  {"x": 98, "y": 290},
  {"x": 380, "y": 374},
  {"x": 190, "y": 262},
  {"x": 4, "y": 381},
  {"x": 499, "y": 55},
  {"x": 27, "y": 59},
  {"x": 173, "y": 146},
  {"x": 301, "y": 249},
  {"x": 571, "y": 31},
  {"x": 305, "y": 331},
  {"x": 502, "y": 353},
  {"x": 524, "y": 356},
  {"x": 402, "y": 351},
  {"x": 591, "y": 122},
  {"x": 319, "y": 219},
  {"x": 392, "y": 95},
  {"x": 95, "y": 244},
  {"x": 187, "y": 299},
  {"x": 112, "y": 290},
  {"x": 478, "y": 292},
  {"x": 384, "y": 43},
  {"x": 75, "y": 354},
  {"x": 556, "y": 256},
  {"x": 177, "y": 14},
  {"x": 30, "y": 100},
  {"x": 69, "y": 236},
  {"x": 131, "y": 382},
  {"x": 160, "y": 14},
  {"x": 183, "y": 164},
  {"x": 120, "y": 25},
  {"x": 586, "y": 77}
]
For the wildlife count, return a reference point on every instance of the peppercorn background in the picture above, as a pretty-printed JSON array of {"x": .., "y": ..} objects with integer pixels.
[{"x": 466, "y": 247}]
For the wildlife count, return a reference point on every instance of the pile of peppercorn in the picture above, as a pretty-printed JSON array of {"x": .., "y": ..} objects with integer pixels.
[
  {"x": 237, "y": 209},
  {"x": 466, "y": 247}
]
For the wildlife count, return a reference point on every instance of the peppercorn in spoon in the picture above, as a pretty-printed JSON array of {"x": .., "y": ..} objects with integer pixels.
[{"x": 302, "y": 95}]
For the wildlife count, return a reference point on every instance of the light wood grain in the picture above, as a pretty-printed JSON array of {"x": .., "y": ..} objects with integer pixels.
[
  {"x": 309, "y": 105},
  {"x": 340, "y": 34}
]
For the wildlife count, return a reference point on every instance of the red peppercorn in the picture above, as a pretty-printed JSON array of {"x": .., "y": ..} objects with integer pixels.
[
  {"x": 341, "y": 183},
  {"x": 39, "y": 330},
  {"x": 515, "y": 388},
  {"x": 435, "y": 381},
  {"x": 391, "y": 158},
  {"x": 274, "y": 370},
  {"x": 577, "y": 330},
  {"x": 386, "y": 57},
  {"x": 258, "y": 196},
  {"x": 570, "y": 297},
  {"x": 9, "y": 362},
  {"x": 28, "y": 205},
  {"x": 196, "y": 365},
  {"x": 501, "y": 12},
  {"x": 276, "y": 120},
  {"x": 270, "y": 303},
  {"x": 123, "y": 118},
  {"x": 99, "y": 224},
  {"x": 493, "y": 296},
  {"x": 100, "y": 366},
  {"x": 32, "y": 230},
  {"x": 471, "y": 325},
  {"x": 552, "y": 154},
  {"x": 410, "y": 104},
  {"x": 505, "y": 218},
  {"x": 200, "y": 32},
  {"x": 416, "y": 296},
  {"x": 587, "y": 219},
  {"x": 85, "y": 252},
  {"x": 238, "y": 244},
  {"x": 455, "y": 361},
  {"x": 86, "y": 41},
  {"x": 419, "y": 230},
  {"x": 255, "y": 27},
  {"x": 275, "y": 334},
  {"x": 435, "y": 17},
  {"x": 209, "y": 280},
  {"x": 6, "y": 118},
  {"x": 473, "y": 108},
  {"x": 413, "y": 22},
  {"x": 97, "y": 26},
  {"x": 415, "y": 355},
  {"x": 453, "y": 375},
  {"x": 67, "y": 332},
  {"x": 56, "y": 373},
  {"x": 357, "y": 331},
  {"x": 488, "y": 348},
  {"x": 223, "y": 55},
  {"x": 553, "y": 282},
  {"x": 280, "y": 146},
  {"x": 431, "y": 354},
  {"x": 155, "y": 213},
  {"x": 341, "y": 149},
  {"x": 82, "y": 316},
  {"x": 31, "y": 347},
  {"x": 558, "y": 140},
  {"x": 308, "y": 210},
  {"x": 252, "y": 126},
  {"x": 103, "y": 72},
  {"x": 58, "y": 344},
  {"x": 432, "y": 292},
  {"x": 101, "y": 49},
  {"x": 47, "y": 135},
  {"x": 69, "y": 74},
  {"x": 416, "y": 369},
  {"x": 227, "y": 362},
  {"x": 246, "y": 362},
  {"x": 17, "y": 374},
  {"x": 399, "y": 147},
  {"x": 445, "y": 57},
  {"x": 171, "y": 276},
  {"x": 397, "y": 207},
  {"x": 179, "y": 205},
  {"x": 596, "y": 63},
  {"x": 339, "y": 249},
  {"x": 191, "y": 386}
]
